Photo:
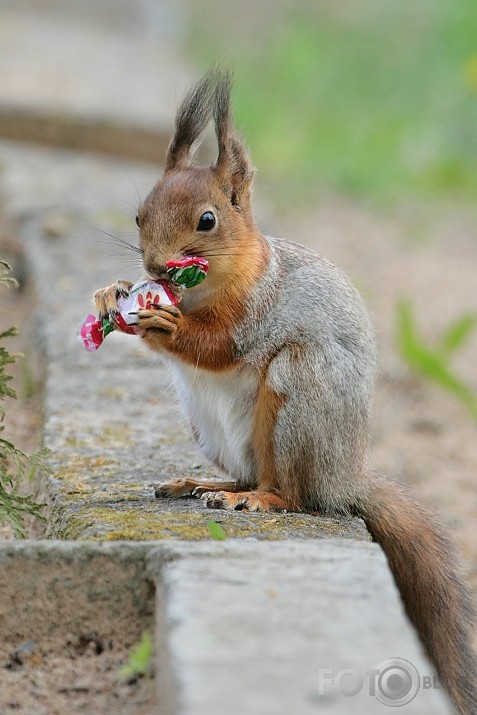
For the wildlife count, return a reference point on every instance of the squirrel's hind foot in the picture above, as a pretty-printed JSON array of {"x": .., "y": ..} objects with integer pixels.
[
  {"x": 244, "y": 501},
  {"x": 221, "y": 495}
]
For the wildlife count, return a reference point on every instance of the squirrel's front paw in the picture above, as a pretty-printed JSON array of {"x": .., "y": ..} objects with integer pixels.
[
  {"x": 106, "y": 299},
  {"x": 165, "y": 318}
]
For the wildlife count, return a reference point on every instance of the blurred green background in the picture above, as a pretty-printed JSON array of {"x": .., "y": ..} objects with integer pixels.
[{"x": 371, "y": 99}]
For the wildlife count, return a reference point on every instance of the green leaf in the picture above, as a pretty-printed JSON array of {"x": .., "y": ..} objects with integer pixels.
[
  {"x": 457, "y": 333},
  {"x": 216, "y": 531},
  {"x": 139, "y": 660},
  {"x": 433, "y": 363}
]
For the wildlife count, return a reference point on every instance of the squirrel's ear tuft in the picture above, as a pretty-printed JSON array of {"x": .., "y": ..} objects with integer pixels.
[
  {"x": 193, "y": 115},
  {"x": 234, "y": 169},
  {"x": 211, "y": 97}
]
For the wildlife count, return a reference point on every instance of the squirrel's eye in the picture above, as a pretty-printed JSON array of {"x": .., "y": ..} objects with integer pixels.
[
  {"x": 206, "y": 221},
  {"x": 137, "y": 221}
]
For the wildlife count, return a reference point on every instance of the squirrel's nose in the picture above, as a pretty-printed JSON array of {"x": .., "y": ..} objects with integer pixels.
[{"x": 155, "y": 269}]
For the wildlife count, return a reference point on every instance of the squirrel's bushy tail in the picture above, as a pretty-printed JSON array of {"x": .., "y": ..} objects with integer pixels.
[{"x": 423, "y": 563}]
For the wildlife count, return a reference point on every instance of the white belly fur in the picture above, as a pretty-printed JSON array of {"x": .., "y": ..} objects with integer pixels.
[{"x": 220, "y": 406}]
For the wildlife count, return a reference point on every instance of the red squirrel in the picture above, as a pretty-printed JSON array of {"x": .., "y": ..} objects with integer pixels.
[{"x": 273, "y": 358}]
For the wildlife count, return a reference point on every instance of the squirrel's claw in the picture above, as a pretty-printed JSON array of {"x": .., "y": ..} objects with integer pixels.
[
  {"x": 106, "y": 299},
  {"x": 173, "y": 488},
  {"x": 162, "y": 317}
]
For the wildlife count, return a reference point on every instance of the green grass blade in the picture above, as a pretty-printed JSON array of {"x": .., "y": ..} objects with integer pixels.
[
  {"x": 433, "y": 363},
  {"x": 456, "y": 334},
  {"x": 216, "y": 531},
  {"x": 139, "y": 660}
]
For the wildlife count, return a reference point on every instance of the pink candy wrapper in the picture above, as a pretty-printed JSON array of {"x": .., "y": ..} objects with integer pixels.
[
  {"x": 186, "y": 272},
  {"x": 143, "y": 295}
]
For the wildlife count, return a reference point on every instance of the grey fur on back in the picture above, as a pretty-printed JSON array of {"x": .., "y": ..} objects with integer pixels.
[{"x": 307, "y": 314}]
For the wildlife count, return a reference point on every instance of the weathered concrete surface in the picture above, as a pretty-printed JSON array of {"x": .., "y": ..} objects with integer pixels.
[
  {"x": 110, "y": 417},
  {"x": 97, "y": 76},
  {"x": 248, "y": 628}
]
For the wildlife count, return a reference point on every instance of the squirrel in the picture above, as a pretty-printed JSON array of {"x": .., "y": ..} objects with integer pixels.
[{"x": 273, "y": 358}]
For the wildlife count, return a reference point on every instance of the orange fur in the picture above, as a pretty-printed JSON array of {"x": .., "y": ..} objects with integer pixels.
[
  {"x": 266, "y": 412},
  {"x": 203, "y": 337}
]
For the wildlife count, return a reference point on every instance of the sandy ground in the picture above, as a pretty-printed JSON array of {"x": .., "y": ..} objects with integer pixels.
[{"x": 71, "y": 683}]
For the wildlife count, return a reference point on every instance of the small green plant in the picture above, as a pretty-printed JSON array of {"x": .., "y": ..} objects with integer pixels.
[
  {"x": 433, "y": 362},
  {"x": 216, "y": 531},
  {"x": 139, "y": 661},
  {"x": 14, "y": 463}
]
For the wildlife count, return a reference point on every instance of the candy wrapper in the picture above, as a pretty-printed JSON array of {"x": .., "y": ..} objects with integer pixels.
[
  {"x": 185, "y": 273},
  {"x": 145, "y": 294}
]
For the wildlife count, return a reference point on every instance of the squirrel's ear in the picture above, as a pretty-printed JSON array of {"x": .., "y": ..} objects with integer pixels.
[
  {"x": 233, "y": 168},
  {"x": 193, "y": 115}
]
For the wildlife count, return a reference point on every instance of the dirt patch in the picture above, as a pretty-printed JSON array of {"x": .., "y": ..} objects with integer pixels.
[
  {"x": 73, "y": 680},
  {"x": 63, "y": 654}
]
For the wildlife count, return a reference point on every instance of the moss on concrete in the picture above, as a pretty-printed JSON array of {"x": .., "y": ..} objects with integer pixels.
[
  {"x": 79, "y": 466},
  {"x": 95, "y": 500},
  {"x": 115, "y": 435},
  {"x": 147, "y": 521}
]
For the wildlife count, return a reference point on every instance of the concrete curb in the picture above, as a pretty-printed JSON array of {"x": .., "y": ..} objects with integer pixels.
[
  {"x": 92, "y": 134},
  {"x": 241, "y": 627}
]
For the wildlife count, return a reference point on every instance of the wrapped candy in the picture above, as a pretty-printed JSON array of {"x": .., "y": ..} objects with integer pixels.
[
  {"x": 185, "y": 273},
  {"x": 145, "y": 294}
]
